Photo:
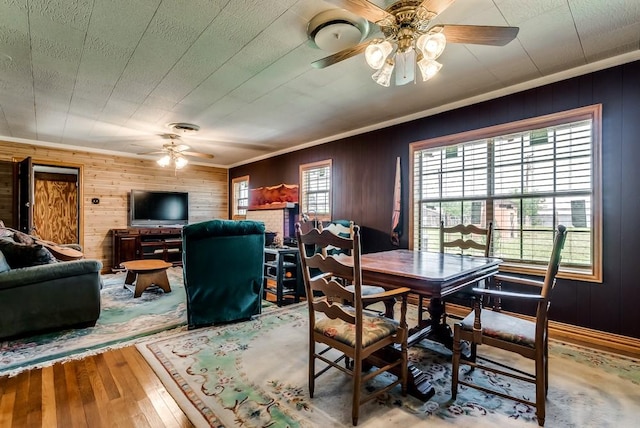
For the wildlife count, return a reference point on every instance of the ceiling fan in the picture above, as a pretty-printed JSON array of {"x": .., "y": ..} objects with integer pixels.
[
  {"x": 410, "y": 41},
  {"x": 175, "y": 154}
]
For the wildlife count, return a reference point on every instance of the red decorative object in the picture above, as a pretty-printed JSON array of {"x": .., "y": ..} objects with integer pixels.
[{"x": 280, "y": 196}]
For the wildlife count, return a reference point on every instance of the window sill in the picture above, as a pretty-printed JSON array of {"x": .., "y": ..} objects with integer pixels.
[{"x": 571, "y": 273}]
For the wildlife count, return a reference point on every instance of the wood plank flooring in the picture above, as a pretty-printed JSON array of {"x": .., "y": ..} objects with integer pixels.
[{"x": 113, "y": 389}]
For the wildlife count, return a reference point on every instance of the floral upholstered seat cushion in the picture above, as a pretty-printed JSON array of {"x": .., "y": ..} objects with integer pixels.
[
  {"x": 505, "y": 327},
  {"x": 375, "y": 327}
]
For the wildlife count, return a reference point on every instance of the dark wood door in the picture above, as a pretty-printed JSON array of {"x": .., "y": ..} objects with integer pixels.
[
  {"x": 125, "y": 247},
  {"x": 25, "y": 196}
]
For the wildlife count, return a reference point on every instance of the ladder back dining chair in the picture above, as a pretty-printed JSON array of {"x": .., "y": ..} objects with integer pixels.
[
  {"x": 529, "y": 338},
  {"x": 344, "y": 335}
]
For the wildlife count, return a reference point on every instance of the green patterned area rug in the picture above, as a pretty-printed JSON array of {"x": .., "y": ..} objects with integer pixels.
[
  {"x": 254, "y": 374},
  {"x": 123, "y": 320}
]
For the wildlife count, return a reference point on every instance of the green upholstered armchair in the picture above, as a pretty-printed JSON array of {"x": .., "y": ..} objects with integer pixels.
[{"x": 222, "y": 262}]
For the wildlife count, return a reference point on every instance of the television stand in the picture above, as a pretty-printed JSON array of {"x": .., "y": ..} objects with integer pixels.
[{"x": 146, "y": 243}]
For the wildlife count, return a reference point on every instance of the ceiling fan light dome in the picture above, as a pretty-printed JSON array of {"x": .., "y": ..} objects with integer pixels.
[
  {"x": 431, "y": 45},
  {"x": 428, "y": 68},
  {"x": 164, "y": 161},
  {"x": 180, "y": 162},
  {"x": 383, "y": 76},
  {"x": 376, "y": 53}
]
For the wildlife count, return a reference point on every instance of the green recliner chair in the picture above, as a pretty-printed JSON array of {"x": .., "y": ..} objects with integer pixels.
[{"x": 223, "y": 270}]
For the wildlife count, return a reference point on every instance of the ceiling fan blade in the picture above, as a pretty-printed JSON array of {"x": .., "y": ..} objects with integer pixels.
[
  {"x": 340, "y": 56},
  {"x": 479, "y": 34},
  {"x": 436, "y": 6},
  {"x": 176, "y": 147},
  {"x": 198, "y": 155},
  {"x": 367, "y": 10},
  {"x": 155, "y": 152}
]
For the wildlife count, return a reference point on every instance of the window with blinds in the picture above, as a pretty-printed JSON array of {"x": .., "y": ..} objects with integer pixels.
[
  {"x": 525, "y": 178},
  {"x": 315, "y": 190},
  {"x": 240, "y": 197}
]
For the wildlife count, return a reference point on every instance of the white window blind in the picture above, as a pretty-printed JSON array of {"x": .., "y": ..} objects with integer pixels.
[
  {"x": 525, "y": 183},
  {"x": 315, "y": 189},
  {"x": 240, "y": 196}
]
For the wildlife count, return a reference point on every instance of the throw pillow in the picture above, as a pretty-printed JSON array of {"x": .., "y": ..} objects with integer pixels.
[{"x": 20, "y": 255}]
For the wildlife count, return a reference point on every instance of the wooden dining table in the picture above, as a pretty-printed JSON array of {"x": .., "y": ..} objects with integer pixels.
[{"x": 431, "y": 275}]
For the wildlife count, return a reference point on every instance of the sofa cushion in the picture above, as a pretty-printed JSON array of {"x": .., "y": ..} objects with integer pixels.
[
  {"x": 4, "y": 266},
  {"x": 20, "y": 255}
]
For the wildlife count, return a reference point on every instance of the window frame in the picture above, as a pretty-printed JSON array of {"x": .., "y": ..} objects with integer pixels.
[
  {"x": 304, "y": 168},
  {"x": 235, "y": 198},
  {"x": 593, "y": 113}
]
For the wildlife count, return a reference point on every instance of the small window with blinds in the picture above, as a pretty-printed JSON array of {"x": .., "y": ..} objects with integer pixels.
[
  {"x": 525, "y": 178},
  {"x": 315, "y": 190},
  {"x": 240, "y": 197}
]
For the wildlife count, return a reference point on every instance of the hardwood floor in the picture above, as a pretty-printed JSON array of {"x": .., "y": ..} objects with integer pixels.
[{"x": 113, "y": 389}]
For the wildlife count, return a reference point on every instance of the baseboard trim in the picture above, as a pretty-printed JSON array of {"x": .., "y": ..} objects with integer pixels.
[{"x": 596, "y": 339}]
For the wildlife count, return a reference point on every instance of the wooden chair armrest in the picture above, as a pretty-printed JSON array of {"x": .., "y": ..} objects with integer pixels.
[
  {"x": 372, "y": 298},
  {"x": 506, "y": 294},
  {"x": 518, "y": 280}
]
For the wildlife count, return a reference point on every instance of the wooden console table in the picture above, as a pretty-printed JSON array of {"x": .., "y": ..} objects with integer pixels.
[{"x": 147, "y": 243}]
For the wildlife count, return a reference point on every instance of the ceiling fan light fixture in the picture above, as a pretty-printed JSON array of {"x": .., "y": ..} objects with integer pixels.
[
  {"x": 428, "y": 68},
  {"x": 164, "y": 161},
  {"x": 410, "y": 40},
  {"x": 376, "y": 53},
  {"x": 405, "y": 67},
  {"x": 431, "y": 45},
  {"x": 383, "y": 76},
  {"x": 180, "y": 162}
]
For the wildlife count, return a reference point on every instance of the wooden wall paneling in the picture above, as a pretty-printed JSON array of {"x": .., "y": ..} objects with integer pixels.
[
  {"x": 604, "y": 303},
  {"x": 111, "y": 178},
  {"x": 583, "y": 294},
  {"x": 6, "y": 193},
  {"x": 377, "y": 197},
  {"x": 630, "y": 202}
]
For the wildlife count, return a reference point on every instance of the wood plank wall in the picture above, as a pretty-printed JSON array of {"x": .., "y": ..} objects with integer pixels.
[
  {"x": 6, "y": 192},
  {"x": 363, "y": 175},
  {"x": 111, "y": 178}
]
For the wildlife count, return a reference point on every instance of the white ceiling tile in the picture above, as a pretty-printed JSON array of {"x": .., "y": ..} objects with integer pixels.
[
  {"x": 599, "y": 17},
  {"x": 517, "y": 12},
  {"x": 104, "y": 74},
  {"x": 614, "y": 42},
  {"x": 72, "y": 14}
]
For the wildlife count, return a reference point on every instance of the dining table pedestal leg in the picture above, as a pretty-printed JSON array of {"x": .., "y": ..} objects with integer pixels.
[{"x": 418, "y": 384}]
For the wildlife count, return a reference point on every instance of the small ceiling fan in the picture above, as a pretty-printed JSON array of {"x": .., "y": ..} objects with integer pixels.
[
  {"x": 175, "y": 153},
  {"x": 410, "y": 41}
]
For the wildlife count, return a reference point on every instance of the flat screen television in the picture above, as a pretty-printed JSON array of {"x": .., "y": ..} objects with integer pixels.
[{"x": 157, "y": 208}]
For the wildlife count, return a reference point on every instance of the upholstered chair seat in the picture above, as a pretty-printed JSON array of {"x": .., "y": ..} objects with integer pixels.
[
  {"x": 375, "y": 327},
  {"x": 503, "y": 327}
]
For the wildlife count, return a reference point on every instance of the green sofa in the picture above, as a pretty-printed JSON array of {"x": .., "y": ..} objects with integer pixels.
[
  {"x": 223, "y": 270},
  {"x": 48, "y": 297}
]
